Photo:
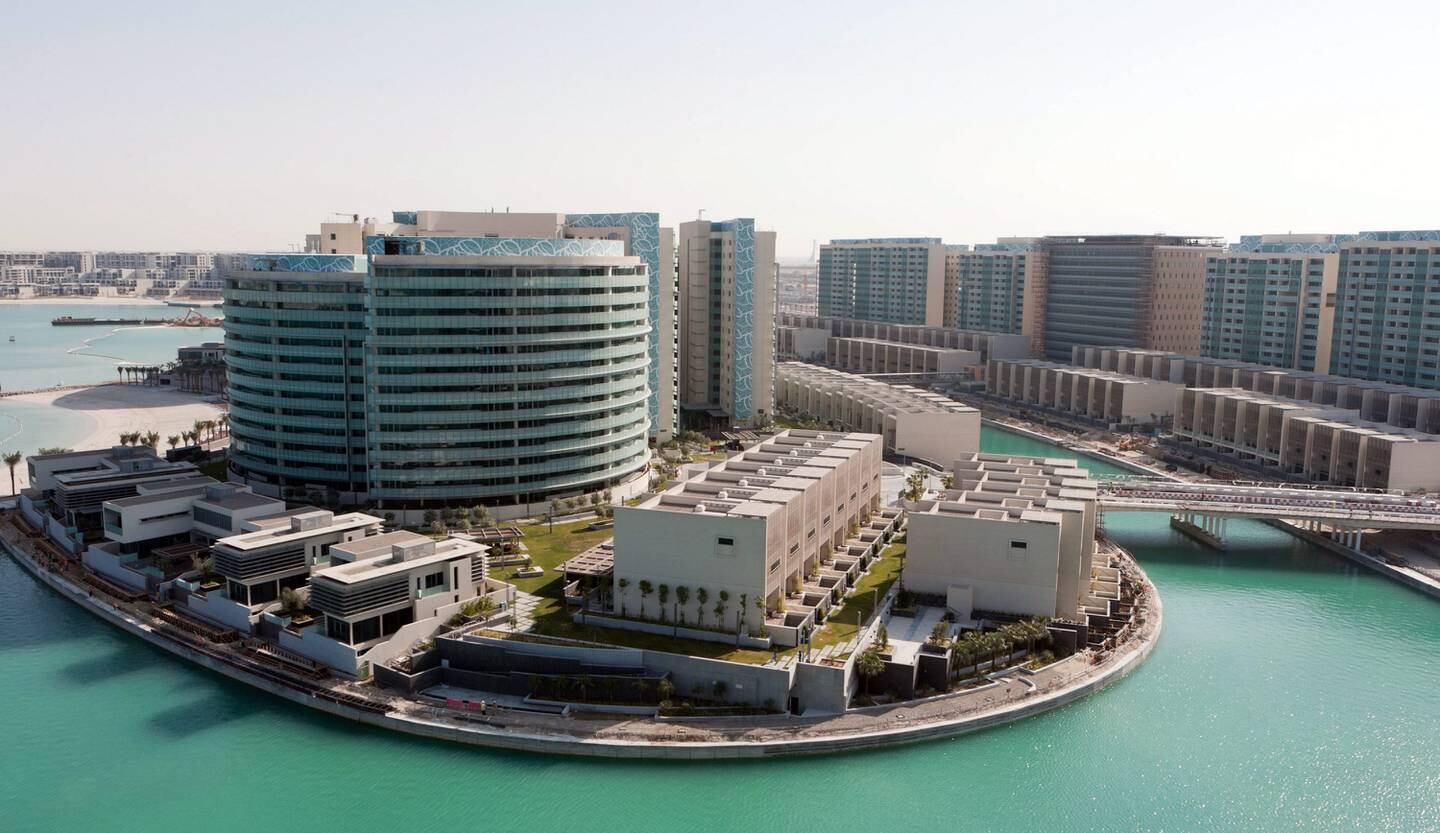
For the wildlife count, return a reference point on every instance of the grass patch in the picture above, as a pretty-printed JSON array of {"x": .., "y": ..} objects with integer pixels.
[
  {"x": 549, "y": 550},
  {"x": 861, "y": 601},
  {"x": 215, "y": 469}
]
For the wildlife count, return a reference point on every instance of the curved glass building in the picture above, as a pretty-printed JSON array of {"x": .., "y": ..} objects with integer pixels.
[
  {"x": 442, "y": 368},
  {"x": 295, "y": 354},
  {"x": 506, "y": 377}
]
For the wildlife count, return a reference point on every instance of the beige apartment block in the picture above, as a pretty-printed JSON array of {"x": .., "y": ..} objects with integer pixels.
[
  {"x": 1179, "y": 298},
  {"x": 1016, "y": 535},
  {"x": 1324, "y": 444},
  {"x": 913, "y": 422},
  {"x": 1381, "y": 402},
  {"x": 1113, "y": 398},
  {"x": 752, "y": 526},
  {"x": 871, "y": 356}
]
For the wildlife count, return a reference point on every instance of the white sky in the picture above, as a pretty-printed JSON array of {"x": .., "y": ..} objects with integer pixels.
[{"x": 242, "y": 125}]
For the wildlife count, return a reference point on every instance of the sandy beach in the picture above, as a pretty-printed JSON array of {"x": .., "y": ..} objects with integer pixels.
[
  {"x": 115, "y": 300},
  {"x": 115, "y": 409}
]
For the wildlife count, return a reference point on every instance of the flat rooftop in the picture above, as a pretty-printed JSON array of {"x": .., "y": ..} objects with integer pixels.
[
  {"x": 281, "y": 530},
  {"x": 757, "y": 481},
  {"x": 881, "y": 395},
  {"x": 375, "y": 557}
]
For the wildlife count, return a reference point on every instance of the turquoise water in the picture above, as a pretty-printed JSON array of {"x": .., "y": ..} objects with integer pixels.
[
  {"x": 43, "y": 355},
  {"x": 1290, "y": 691}
]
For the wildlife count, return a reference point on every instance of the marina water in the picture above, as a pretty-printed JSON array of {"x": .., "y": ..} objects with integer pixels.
[{"x": 1290, "y": 691}]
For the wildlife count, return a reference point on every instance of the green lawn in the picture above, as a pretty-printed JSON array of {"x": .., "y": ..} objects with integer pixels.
[
  {"x": 872, "y": 586},
  {"x": 549, "y": 549}
]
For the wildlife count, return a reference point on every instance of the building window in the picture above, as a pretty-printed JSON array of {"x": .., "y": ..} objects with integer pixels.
[
  {"x": 1019, "y": 545},
  {"x": 434, "y": 579},
  {"x": 725, "y": 542}
]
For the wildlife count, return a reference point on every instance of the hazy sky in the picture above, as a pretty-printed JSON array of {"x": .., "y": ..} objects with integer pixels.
[{"x": 243, "y": 125}]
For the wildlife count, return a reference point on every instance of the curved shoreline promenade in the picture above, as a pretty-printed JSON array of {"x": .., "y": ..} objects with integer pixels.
[{"x": 1012, "y": 695}]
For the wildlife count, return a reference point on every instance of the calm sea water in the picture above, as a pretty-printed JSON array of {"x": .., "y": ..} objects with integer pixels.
[
  {"x": 43, "y": 355},
  {"x": 1290, "y": 691}
]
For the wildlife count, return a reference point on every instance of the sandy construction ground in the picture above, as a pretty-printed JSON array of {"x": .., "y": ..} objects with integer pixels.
[{"x": 116, "y": 409}]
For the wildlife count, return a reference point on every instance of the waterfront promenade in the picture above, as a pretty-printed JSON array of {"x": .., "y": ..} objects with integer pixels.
[{"x": 1005, "y": 696}]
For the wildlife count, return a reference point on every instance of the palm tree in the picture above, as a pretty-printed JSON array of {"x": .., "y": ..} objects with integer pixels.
[
  {"x": 646, "y": 588},
  {"x": 682, "y": 595},
  {"x": 701, "y": 597},
  {"x": 11, "y": 461},
  {"x": 869, "y": 665},
  {"x": 664, "y": 592},
  {"x": 199, "y": 427},
  {"x": 624, "y": 583},
  {"x": 173, "y": 440},
  {"x": 152, "y": 439}
]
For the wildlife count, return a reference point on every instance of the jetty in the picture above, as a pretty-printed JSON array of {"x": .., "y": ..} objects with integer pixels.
[{"x": 192, "y": 318}]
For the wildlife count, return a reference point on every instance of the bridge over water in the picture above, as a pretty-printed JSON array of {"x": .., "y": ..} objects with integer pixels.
[{"x": 1339, "y": 512}]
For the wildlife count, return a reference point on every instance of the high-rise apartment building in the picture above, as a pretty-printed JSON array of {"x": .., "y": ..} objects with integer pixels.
[
  {"x": 1128, "y": 290},
  {"x": 1270, "y": 300},
  {"x": 900, "y": 280},
  {"x": 993, "y": 286},
  {"x": 640, "y": 232},
  {"x": 1387, "y": 308},
  {"x": 726, "y": 320},
  {"x": 462, "y": 358}
]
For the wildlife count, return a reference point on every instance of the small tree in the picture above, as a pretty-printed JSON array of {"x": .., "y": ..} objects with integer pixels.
[
  {"x": 882, "y": 637},
  {"x": 12, "y": 460},
  {"x": 869, "y": 666},
  {"x": 438, "y": 528},
  {"x": 292, "y": 601},
  {"x": 646, "y": 588},
  {"x": 940, "y": 633},
  {"x": 682, "y": 596},
  {"x": 720, "y": 606},
  {"x": 664, "y": 593},
  {"x": 666, "y": 690},
  {"x": 701, "y": 597},
  {"x": 173, "y": 440},
  {"x": 624, "y": 583}
]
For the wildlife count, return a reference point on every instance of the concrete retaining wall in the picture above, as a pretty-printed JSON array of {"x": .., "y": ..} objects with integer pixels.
[
  {"x": 602, "y": 621},
  {"x": 496, "y": 736}
]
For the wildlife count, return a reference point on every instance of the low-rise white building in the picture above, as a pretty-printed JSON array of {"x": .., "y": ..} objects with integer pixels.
[
  {"x": 375, "y": 586},
  {"x": 1113, "y": 398},
  {"x": 1016, "y": 535},
  {"x": 1326, "y": 445},
  {"x": 754, "y": 527},
  {"x": 272, "y": 554},
  {"x": 912, "y": 422},
  {"x": 184, "y": 509}
]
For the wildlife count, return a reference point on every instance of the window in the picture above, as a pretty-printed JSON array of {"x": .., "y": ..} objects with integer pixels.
[
  {"x": 434, "y": 579},
  {"x": 332, "y": 235},
  {"x": 725, "y": 542},
  {"x": 1019, "y": 545}
]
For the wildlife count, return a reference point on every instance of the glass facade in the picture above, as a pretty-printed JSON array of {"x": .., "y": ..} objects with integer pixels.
[
  {"x": 1387, "y": 310},
  {"x": 885, "y": 279},
  {"x": 989, "y": 290},
  {"x": 428, "y": 381},
  {"x": 1264, "y": 309},
  {"x": 294, "y": 353}
]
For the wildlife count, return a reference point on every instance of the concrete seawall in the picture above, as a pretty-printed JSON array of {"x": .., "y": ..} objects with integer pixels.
[{"x": 497, "y": 735}]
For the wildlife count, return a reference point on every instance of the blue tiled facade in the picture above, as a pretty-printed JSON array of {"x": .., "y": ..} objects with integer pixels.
[
  {"x": 644, "y": 231},
  {"x": 744, "y": 321}
]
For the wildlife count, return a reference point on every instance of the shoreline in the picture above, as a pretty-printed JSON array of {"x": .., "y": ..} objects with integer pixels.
[
  {"x": 571, "y": 742},
  {"x": 101, "y": 300},
  {"x": 113, "y": 408}
]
